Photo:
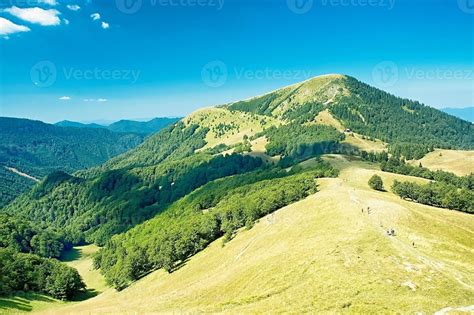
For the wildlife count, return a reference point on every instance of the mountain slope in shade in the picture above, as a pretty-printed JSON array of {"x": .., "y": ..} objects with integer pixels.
[
  {"x": 38, "y": 149},
  {"x": 466, "y": 113}
]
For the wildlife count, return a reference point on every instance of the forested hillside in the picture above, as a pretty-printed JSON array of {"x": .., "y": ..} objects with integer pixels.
[
  {"x": 218, "y": 170},
  {"x": 365, "y": 110},
  {"x": 37, "y": 149}
]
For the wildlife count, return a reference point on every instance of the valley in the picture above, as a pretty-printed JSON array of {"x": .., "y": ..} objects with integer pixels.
[
  {"x": 262, "y": 204},
  {"x": 321, "y": 254}
]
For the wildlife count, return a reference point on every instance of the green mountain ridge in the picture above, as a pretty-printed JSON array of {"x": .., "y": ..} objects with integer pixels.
[
  {"x": 38, "y": 149},
  {"x": 357, "y": 106},
  {"x": 220, "y": 169}
]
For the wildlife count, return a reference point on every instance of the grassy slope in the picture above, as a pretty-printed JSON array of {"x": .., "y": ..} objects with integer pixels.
[
  {"x": 458, "y": 162},
  {"x": 248, "y": 124},
  {"x": 321, "y": 254},
  {"x": 80, "y": 258}
]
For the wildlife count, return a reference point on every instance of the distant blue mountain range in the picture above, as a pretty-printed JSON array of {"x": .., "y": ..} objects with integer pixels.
[
  {"x": 466, "y": 113},
  {"x": 126, "y": 126}
]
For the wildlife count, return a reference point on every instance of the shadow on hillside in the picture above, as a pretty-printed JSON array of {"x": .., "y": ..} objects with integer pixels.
[
  {"x": 71, "y": 255},
  {"x": 21, "y": 302},
  {"x": 85, "y": 295},
  {"x": 180, "y": 265}
]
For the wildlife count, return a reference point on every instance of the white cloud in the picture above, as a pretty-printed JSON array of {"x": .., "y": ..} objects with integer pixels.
[
  {"x": 36, "y": 15},
  {"x": 73, "y": 7},
  {"x": 8, "y": 27},
  {"x": 105, "y": 25},
  {"x": 66, "y": 21},
  {"x": 99, "y": 100},
  {"x": 48, "y": 2},
  {"x": 95, "y": 16},
  {"x": 65, "y": 98}
]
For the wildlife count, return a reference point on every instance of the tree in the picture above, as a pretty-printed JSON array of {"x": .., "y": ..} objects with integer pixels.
[{"x": 376, "y": 183}]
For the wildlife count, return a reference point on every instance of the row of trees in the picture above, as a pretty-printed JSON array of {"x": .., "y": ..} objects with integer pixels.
[
  {"x": 436, "y": 194},
  {"x": 410, "y": 151},
  {"x": 399, "y": 166}
]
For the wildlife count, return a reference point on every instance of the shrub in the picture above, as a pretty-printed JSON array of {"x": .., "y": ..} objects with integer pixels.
[{"x": 376, "y": 183}]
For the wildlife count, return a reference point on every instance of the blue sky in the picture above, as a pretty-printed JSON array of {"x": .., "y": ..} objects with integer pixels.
[{"x": 104, "y": 59}]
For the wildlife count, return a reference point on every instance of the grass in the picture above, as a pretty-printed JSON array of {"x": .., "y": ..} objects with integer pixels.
[
  {"x": 321, "y": 255},
  {"x": 247, "y": 125},
  {"x": 458, "y": 162},
  {"x": 80, "y": 258},
  {"x": 354, "y": 139},
  {"x": 26, "y": 302}
]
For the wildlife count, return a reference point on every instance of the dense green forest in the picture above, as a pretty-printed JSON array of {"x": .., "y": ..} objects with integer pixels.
[
  {"x": 22, "y": 235},
  {"x": 38, "y": 149},
  {"x": 94, "y": 210},
  {"x": 31, "y": 273},
  {"x": 27, "y": 263},
  {"x": 12, "y": 185},
  {"x": 190, "y": 224},
  {"x": 378, "y": 114},
  {"x": 411, "y": 128},
  {"x": 171, "y": 143}
]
